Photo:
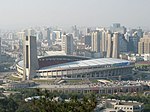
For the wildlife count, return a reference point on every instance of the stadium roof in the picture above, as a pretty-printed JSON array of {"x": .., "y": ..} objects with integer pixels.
[
  {"x": 87, "y": 63},
  {"x": 20, "y": 63},
  {"x": 63, "y": 56}
]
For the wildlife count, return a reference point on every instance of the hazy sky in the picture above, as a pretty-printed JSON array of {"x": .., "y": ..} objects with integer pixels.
[{"x": 17, "y": 13}]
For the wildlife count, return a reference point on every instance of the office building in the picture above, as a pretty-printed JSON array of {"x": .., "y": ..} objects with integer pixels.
[
  {"x": 116, "y": 27},
  {"x": 115, "y": 51},
  {"x": 88, "y": 31},
  {"x": 48, "y": 37},
  {"x": 39, "y": 36},
  {"x": 67, "y": 44},
  {"x": 95, "y": 40},
  {"x": 106, "y": 43},
  {"x": 133, "y": 43},
  {"x": 57, "y": 37},
  {"x": 87, "y": 40},
  {"x": 75, "y": 32},
  {"x": 58, "y": 34},
  {"x": 123, "y": 43},
  {"x": 144, "y": 45},
  {"x": 109, "y": 47}
]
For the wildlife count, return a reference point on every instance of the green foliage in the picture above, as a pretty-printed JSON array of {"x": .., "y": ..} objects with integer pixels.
[
  {"x": 8, "y": 105},
  {"x": 76, "y": 103},
  {"x": 147, "y": 108}
]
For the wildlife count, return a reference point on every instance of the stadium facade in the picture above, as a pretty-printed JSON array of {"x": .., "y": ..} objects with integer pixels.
[{"x": 73, "y": 67}]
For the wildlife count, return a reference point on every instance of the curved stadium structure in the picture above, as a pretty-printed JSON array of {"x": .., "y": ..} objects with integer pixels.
[
  {"x": 74, "y": 67},
  {"x": 67, "y": 67}
]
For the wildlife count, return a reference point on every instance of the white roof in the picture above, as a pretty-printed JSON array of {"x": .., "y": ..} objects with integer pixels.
[
  {"x": 53, "y": 53},
  {"x": 88, "y": 63}
]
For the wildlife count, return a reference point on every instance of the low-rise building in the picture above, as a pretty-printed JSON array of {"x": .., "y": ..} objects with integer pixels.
[{"x": 113, "y": 105}]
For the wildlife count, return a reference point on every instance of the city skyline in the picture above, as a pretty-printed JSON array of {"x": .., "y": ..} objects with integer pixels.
[
  {"x": 21, "y": 13},
  {"x": 74, "y": 55}
]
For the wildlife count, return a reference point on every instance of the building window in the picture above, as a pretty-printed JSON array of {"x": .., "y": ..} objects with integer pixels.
[{"x": 26, "y": 38}]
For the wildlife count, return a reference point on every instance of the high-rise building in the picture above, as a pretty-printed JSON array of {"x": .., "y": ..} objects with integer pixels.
[
  {"x": 30, "y": 56},
  {"x": 127, "y": 36},
  {"x": 20, "y": 35},
  {"x": 104, "y": 42},
  {"x": 138, "y": 31},
  {"x": 58, "y": 34},
  {"x": 88, "y": 31},
  {"x": 87, "y": 40},
  {"x": 30, "y": 32},
  {"x": 133, "y": 43},
  {"x": 67, "y": 44},
  {"x": 75, "y": 32},
  {"x": 144, "y": 45},
  {"x": 57, "y": 37},
  {"x": 123, "y": 43},
  {"x": 115, "y": 53},
  {"x": 39, "y": 36},
  {"x": 95, "y": 41},
  {"x": 48, "y": 36},
  {"x": 116, "y": 27},
  {"x": 109, "y": 47}
]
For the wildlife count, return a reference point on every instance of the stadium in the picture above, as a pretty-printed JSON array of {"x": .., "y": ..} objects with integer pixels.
[{"x": 75, "y": 67}]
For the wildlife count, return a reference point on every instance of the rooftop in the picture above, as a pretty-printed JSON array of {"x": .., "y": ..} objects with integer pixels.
[
  {"x": 52, "y": 53},
  {"x": 87, "y": 63},
  {"x": 123, "y": 102}
]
